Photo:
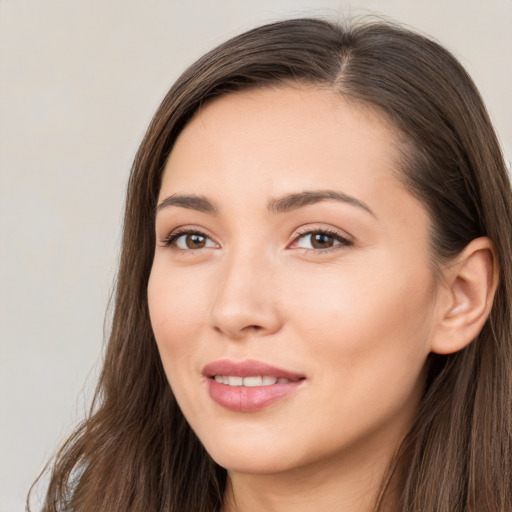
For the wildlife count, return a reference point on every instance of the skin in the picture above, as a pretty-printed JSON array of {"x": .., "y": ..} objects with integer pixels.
[{"x": 356, "y": 319}]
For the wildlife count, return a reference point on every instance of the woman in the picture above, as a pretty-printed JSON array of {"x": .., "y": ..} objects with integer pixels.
[{"x": 313, "y": 302}]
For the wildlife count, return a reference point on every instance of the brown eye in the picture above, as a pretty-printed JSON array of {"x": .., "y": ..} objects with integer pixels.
[
  {"x": 187, "y": 241},
  {"x": 195, "y": 241},
  {"x": 322, "y": 241}
]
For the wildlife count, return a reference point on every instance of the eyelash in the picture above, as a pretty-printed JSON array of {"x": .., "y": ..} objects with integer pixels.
[{"x": 169, "y": 240}]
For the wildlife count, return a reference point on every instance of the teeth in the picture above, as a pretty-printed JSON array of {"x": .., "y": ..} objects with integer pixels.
[
  {"x": 249, "y": 382},
  {"x": 235, "y": 381},
  {"x": 253, "y": 381}
]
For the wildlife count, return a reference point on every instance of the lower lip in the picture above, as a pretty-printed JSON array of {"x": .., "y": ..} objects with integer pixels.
[{"x": 248, "y": 399}]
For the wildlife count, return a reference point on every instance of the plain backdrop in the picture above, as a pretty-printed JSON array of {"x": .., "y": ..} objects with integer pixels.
[{"x": 80, "y": 81}]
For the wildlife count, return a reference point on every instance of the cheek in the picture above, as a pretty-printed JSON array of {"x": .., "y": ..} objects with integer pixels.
[
  {"x": 368, "y": 338},
  {"x": 176, "y": 307},
  {"x": 367, "y": 322},
  {"x": 378, "y": 297}
]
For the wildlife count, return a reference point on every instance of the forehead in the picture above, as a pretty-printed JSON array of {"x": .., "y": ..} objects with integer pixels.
[
  {"x": 244, "y": 150},
  {"x": 282, "y": 137}
]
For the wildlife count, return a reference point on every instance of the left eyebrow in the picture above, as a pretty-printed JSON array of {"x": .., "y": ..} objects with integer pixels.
[{"x": 292, "y": 202}]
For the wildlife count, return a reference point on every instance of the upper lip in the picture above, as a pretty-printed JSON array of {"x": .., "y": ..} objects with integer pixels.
[{"x": 248, "y": 368}]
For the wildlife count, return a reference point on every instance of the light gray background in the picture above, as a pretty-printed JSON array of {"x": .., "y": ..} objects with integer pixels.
[{"x": 79, "y": 83}]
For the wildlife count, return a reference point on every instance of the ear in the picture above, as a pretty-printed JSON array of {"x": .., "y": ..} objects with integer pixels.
[{"x": 466, "y": 296}]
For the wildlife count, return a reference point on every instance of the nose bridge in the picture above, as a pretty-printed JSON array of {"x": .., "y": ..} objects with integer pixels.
[{"x": 245, "y": 299}]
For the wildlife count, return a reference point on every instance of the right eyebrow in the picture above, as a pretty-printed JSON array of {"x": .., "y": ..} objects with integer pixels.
[{"x": 199, "y": 203}]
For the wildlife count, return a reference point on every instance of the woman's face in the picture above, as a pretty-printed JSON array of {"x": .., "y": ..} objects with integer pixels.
[{"x": 291, "y": 294}]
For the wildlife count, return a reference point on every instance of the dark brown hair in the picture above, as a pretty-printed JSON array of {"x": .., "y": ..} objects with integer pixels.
[{"x": 136, "y": 452}]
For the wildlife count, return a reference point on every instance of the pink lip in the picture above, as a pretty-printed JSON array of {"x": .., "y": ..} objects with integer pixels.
[{"x": 248, "y": 399}]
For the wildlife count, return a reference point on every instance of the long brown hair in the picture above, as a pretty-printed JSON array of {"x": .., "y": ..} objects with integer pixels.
[{"x": 136, "y": 452}]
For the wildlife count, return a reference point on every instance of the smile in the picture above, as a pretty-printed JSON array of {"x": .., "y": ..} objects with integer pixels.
[
  {"x": 250, "y": 382},
  {"x": 248, "y": 386}
]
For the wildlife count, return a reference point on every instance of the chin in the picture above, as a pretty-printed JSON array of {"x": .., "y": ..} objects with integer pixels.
[
  {"x": 250, "y": 456},
  {"x": 253, "y": 463}
]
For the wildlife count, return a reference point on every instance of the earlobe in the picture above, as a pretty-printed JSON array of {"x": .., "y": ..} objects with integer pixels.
[{"x": 467, "y": 295}]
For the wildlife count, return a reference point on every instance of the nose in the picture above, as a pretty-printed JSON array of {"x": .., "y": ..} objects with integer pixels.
[{"x": 246, "y": 302}]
